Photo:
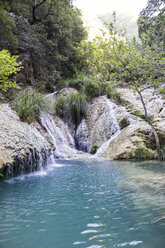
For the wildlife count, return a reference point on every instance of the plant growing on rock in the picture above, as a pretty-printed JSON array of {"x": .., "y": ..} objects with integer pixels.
[
  {"x": 28, "y": 105},
  {"x": 75, "y": 103},
  {"x": 78, "y": 106},
  {"x": 61, "y": 106}
]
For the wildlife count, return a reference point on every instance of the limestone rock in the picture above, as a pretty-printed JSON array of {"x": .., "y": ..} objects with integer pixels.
[
  {"x": 131, "y": 140},
  {"x": 154, "y": 102},
  {"x": 18, "y": 139},
  {"x": 103, "y": 121}
]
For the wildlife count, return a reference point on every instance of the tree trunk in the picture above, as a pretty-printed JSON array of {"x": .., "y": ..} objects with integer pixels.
[{"x": 158, "y": 147}]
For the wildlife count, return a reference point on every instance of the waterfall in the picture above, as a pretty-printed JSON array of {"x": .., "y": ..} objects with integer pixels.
[
  {"x": 81, "y": 137},
  {"x": 61, "y": 137},
  {"x": 114, "y": 128},
  {"x": 33, "y": 161}
]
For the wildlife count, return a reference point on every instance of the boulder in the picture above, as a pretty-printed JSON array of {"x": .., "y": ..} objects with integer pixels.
[{"x": 132, "y": 143}]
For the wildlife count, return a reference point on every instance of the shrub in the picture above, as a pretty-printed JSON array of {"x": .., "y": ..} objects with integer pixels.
[
  {"x": 77, "y": 84},
  {"x": 28, "y": 104},
  {"x": 141, "y": 153},
  {"x": 8, "y": 67},
  {"x": 61, "y": 106},
  {"x": 62, "y": 84},
  {"x": 77, "y": 106},
  {"x": 75, "y": 103},
  {"x": 92, "y": 88}
]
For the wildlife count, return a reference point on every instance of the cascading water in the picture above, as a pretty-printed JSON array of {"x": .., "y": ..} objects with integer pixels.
[
  {"x": 81, "y": 137},
  {"x": 114, "y": 129},
  {"x": 33, "y": 161},
  {"x": 62, "y": 147}
]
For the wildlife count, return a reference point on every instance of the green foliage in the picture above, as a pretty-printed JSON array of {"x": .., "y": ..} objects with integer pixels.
[
  {"x": 77, "y": 84},
  {"x": 138, "y": 113},
  {"x": 78, "y": 106},
  {"x": 61, "y": 106},
  {"x": 151, "y": 24},
  {"x": 7, "y": 38},
  {"x": 92, "y": 88},
  {"x": 48, "y": 42},
  {"x": 112, "y": 93},
  {"x": 137, "y": 66},
  {"x": 8, "y": 66},
  {"x": 28, "y": 105},
  {"x": 111, "y": 57},
  {"x": 141, "y": 153},
  {"x": 75, "y": 104}
]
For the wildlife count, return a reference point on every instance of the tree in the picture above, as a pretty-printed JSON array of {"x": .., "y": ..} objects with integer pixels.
[
  {"x": 50, "y": 42},
  {"x": 8, "y": 67},
  {"x": 135, "y": 65},
  {"x": 37, "y": 14},
  {"x": 151, "y": 22},
  {"x": 7, "y": 39}
]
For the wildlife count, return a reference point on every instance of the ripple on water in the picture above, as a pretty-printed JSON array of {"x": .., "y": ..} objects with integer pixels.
[
  {"x": 79, "y": 242},
  {"x": 94, "y": 225},
  {"x": 132, "y": 243},
  {"x": 89, "y": 231}
]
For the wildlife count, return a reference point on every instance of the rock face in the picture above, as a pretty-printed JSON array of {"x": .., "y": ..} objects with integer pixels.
[
  {"x": 19, "y": 140},
  {"x": 132, "y": 143},
  {"x": 108, "y": 130},
  {"x": 103, "y": 120}
]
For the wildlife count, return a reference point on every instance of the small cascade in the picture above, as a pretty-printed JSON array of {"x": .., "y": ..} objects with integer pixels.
[
  {"x": 35, "y": 160},
  {"x": 63, "y": 148},
  {"x": 114, "y": 130},
  {"x": 81, "y": 137}
]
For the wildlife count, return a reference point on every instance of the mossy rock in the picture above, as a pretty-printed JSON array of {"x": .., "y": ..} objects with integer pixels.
[
  {"x": 141, "y": 153},
  {"x": 124, "y": 122},
  {"x": 94, "y": 149}
]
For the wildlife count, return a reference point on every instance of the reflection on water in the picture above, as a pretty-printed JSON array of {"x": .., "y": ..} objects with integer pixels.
[{"x": 86, "y": 203}]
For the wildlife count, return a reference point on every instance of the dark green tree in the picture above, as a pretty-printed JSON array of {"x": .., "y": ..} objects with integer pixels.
[
  {"x": 151, "y": 24},
  {"x": 7, "y": 38}
]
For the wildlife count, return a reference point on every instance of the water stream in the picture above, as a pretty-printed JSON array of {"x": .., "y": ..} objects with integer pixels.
[{"x": 114, "y": 129}]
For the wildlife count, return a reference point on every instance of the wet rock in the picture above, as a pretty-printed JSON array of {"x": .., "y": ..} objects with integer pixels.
[
  {"x": 81, "y": 137},
  {"x": 18, "y": 139}
]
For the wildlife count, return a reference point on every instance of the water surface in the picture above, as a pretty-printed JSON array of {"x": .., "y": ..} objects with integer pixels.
[{"x": 84, "y": 204}]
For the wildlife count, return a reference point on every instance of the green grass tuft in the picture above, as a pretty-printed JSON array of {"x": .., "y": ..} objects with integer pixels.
[{"x": 28, "y": 105}]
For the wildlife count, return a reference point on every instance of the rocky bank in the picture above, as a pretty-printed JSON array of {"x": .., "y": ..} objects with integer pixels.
[{"x": 109, "y": 130}]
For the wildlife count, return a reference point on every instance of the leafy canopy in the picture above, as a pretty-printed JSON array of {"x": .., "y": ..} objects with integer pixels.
[
  {"x": 7, "y": 38},
  {"x": 151, "y": 23},
  {"x": 8, "y": 66},
  {"x": 110, "y": 57}
]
